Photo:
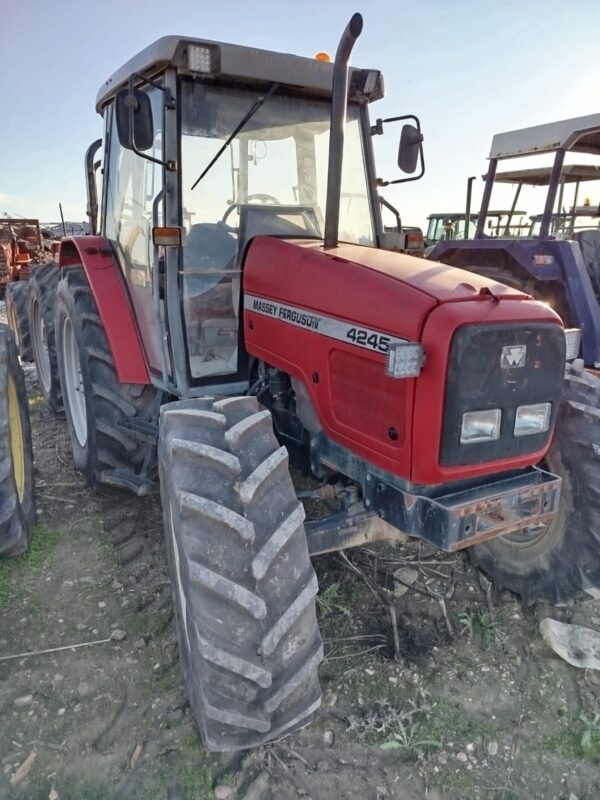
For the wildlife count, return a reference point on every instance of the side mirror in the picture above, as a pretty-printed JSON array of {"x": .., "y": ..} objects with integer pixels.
[
  {"x": 411, "y": 140},
  {"x": 135, "y": 130}
]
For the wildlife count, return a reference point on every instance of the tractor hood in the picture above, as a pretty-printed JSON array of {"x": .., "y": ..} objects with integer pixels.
[
  {"x": 383, "y": 290},
  {"x": 329, "y": 318}
]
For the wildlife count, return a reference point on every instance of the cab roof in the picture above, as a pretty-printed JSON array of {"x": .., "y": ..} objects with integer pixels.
[
  {"x": 244, "y": 64},
  {"x": 580, "y": 134}
]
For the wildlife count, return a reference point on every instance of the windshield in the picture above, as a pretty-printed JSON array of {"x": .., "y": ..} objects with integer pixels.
[
  {"x": 448, "y": 227},
  {"x": 279, "y": 157},
  {"x": 271, "y": 179}
]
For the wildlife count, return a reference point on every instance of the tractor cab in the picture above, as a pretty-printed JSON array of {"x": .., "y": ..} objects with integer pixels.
[
  {"x": 206, "y": 146},
  {"x": 453, "y": 225}
]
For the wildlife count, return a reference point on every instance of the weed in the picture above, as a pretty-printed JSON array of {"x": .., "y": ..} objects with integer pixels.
[
  {"x": 447, "y": 721},
  {"x": 577, "y": 737},
  {"x": 381, "y": 720},
  {"x": 169, "y": 678},
  {"x": 466, "y": 624},
  {"x": 105, "y": 546},
  {"x": 408, "y": 736},
  {"x": 478, "y": 626},
  {"x": 137, "y": 623},
  {"x": 192, "y": 742},
  {"x": 590, "y": 737},
  {"x": 16, "y": 573},
  {"x": 331, "y": 601}
]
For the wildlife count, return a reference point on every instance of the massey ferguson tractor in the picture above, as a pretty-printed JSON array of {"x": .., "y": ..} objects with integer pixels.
[{"x": 233, "y": 314}]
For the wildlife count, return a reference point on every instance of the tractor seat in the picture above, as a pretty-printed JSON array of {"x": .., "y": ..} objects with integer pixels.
[
  {"x": 210, "y": 247},
  {"x": 589, "y": 243}
]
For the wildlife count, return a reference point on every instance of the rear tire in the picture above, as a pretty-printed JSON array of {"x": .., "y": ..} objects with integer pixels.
[
  {"x": 18, "y": 321},
  {"x": 17, "y": 496},
  {"x": 563, "y": 561},
  {"x": 42, "y": 297},
  {"x": 97, "y": 405},
  {"x": 243, "y": 583}
]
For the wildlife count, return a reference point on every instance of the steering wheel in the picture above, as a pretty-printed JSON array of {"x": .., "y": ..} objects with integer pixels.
[{"x": 264, "y": 199}]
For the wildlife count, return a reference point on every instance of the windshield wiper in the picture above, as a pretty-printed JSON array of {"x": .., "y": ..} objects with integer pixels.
[{"x": 259, "y": 102}]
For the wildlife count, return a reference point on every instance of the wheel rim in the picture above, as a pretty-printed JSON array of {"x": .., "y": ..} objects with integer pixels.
[
  {"x": 74, "y": 382},
  {"x": 17, "y": 445},
  {"x": 12, "y": 323},
  {"x": 40, "y": 347},
  {"x": 532, "y": 534}
]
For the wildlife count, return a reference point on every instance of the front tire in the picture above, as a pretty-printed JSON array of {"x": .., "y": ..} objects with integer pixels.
[
  {"x": 18, "y": 321},
  {"x": 42, "y": 296},
  {"x": 243, "y": 583},
  {"x": 98, "y": 407},
  {"x": 17, "y": 500},
  {"x": 561, "y": 560}
]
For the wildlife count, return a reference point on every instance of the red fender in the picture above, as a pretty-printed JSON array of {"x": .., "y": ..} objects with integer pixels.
[{"x": 95, "y": 254}]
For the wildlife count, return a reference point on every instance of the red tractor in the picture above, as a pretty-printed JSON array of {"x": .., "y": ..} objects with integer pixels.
[
  {"x": 20, "y": 242},
  {"x": 233, "y": 313}
]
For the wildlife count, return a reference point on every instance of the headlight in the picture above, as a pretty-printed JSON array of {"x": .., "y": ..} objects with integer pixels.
[
  {"x": 532, "y": 419},
  {"x": 480, "y": 426},
  {"x": 203, "y": 58}
]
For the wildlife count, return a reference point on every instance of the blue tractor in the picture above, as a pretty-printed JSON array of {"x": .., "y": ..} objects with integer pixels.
[{"x": 557, "y": 262}]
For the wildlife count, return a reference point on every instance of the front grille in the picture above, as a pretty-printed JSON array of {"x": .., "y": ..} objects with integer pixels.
[{"x": 477, "y": 381}]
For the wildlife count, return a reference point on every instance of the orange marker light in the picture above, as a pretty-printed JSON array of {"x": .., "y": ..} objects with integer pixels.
[
  {"x": 168, "y": 236},
  {"x": 323, "y": 57}
]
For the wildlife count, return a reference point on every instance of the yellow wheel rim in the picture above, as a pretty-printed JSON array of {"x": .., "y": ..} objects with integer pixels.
[{"x": 16, "y": 437}]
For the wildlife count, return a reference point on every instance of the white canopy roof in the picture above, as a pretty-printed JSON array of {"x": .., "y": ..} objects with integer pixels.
[{"x": 581, "y": 134}]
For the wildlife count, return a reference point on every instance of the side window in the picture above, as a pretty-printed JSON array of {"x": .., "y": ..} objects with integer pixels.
[{"x": 132, "y": 184}]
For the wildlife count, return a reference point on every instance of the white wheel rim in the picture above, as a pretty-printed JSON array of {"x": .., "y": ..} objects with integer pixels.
[
  {"x": 40, "y": 347},
  {"x": 12, "y": 323},
  {"x": 74, "y": 382}
]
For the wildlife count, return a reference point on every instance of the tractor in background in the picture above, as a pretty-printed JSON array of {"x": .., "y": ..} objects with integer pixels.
[
  {"x": 235, "y": 311},
  {"x": 20, "y": 247},
  {"x": 452, "y": 225},
  {"x": 558, "y": 262}
]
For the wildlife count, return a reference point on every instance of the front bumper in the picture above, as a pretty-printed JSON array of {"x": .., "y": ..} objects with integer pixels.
[{"x": 471, "y": 515}]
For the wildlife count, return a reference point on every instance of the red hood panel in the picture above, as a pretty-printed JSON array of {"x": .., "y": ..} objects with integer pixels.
[
  {"x": 430, "y": 277},
  {"x": 301, "y": 274}
]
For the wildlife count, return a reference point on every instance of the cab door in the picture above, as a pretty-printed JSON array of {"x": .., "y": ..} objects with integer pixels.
[{"x": 132, "y": 204}]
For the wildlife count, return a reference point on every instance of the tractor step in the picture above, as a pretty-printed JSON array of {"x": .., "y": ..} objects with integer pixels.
[{"x": 126, "y": 479}]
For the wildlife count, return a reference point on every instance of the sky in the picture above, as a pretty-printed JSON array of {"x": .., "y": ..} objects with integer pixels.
[{"x": 467, "y": 69}]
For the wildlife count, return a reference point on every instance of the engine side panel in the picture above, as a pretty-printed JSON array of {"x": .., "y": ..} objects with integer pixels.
[
  {"x": 307, "y": 313},
  {"x": 95, "y": 255},
  {"x": 304, "y": 310}
]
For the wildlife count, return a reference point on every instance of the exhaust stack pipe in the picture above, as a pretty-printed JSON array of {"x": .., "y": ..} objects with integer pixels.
[{"x": 339, "y": 100}]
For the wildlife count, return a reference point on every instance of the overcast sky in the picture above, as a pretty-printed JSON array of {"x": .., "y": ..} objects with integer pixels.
[{"x": 467, "y": 68}]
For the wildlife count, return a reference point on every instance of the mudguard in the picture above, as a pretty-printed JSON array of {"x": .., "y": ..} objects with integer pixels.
[{"x": 95, "y": 255}]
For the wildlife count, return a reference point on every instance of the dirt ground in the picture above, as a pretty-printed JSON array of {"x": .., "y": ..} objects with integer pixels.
[{"x": 469, "y": 702}]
